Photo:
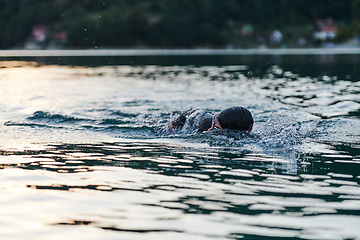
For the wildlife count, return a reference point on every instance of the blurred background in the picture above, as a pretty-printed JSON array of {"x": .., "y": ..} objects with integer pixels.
[{"x": 93, "y": 24}]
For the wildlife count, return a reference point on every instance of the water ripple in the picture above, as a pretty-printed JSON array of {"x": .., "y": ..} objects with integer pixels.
[{"x": 95, "y": 166}]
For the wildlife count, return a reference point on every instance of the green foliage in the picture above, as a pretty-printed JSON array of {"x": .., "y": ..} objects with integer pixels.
[
  {"x": 162, "y": 23},
  {"x": 348, "y": 31},
  {"x": 356, "y": 9},
  {"x": 352, "y": 29}
]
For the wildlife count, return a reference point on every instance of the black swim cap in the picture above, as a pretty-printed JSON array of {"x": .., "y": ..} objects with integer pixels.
[{"x": 237, "y": 118}]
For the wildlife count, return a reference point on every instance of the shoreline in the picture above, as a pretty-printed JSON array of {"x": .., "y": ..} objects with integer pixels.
[{"x": 176, "y": 52}]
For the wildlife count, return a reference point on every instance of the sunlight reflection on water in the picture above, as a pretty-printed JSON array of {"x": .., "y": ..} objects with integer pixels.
[{"x": 81, "y": 157}]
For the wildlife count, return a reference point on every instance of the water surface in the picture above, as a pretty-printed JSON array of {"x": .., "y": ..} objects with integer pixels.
[{"x": 81, "y": 155}]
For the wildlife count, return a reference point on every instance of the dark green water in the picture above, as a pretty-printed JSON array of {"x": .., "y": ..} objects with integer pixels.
[{"x": 81, "y": 156}]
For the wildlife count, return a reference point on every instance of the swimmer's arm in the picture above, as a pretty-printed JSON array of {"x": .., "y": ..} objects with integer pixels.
[{"x": 180, "y": 120}]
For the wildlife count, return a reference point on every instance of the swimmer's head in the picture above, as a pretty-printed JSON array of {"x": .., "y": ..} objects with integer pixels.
[{"x": 236, "y": 118}]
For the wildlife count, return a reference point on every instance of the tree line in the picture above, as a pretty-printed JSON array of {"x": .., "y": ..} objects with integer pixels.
[{"x": 165, "y": 23}]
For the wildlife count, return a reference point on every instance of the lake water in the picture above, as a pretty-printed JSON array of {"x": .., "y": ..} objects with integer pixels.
[{"x": 81, "y": 156}]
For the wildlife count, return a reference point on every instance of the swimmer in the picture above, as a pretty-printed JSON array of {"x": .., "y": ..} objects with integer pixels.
[{"x": 191, "y": 121}]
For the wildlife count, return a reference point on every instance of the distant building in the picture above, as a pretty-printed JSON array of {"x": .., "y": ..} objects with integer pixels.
[
  {"x": 276, "y": 37},
  {"x": 60, "y": 36},
  {"x": 39, "y": 33},
  {"x": 247, "y": 30},
  {"x": 58, "y": 39},
  {"x": 326, "y": 30},
  {"x": 41, "y": 38},
  {"x": 37, "y": 37}
]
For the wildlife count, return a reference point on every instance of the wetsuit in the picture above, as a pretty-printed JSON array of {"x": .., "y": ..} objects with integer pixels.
[{"x": 191, "y": 121}]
